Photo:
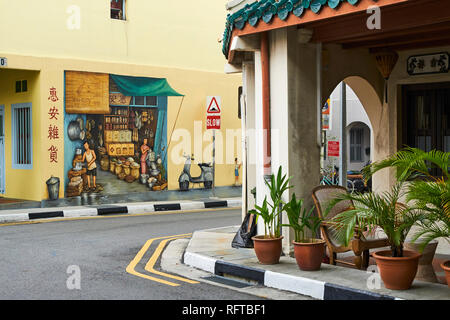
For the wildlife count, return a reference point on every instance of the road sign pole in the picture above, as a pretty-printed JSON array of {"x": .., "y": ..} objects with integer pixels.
[{"x": 214, "y": 163}]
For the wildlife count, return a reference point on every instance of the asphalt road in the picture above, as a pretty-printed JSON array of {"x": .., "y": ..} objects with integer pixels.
[{"x": 87, "y": 259}]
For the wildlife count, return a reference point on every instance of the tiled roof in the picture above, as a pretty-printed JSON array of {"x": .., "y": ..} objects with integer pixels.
[{"x": 265, "y": 10}]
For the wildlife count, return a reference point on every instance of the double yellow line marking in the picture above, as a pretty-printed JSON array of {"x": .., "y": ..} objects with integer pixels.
[{"x": 152, "y": 261}]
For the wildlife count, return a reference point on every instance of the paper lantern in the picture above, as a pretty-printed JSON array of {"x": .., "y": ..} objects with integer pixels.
[{"x": 386, "y": 61}]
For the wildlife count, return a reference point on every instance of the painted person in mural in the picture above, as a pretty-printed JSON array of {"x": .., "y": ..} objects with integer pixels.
[
  {"x": 144, "y": 151},
  {"x": 90, "y": 157},
  {"x": 237, "y": 166}
]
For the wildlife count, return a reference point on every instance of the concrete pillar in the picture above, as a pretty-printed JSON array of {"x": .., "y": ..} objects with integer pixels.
[
  {"x": 248, "y": 129},
  {"x": 303, "y": 151},
  {"x": 256, "y": 149},
  {"x": 279, "y": 102},
  {"x": 293, "y": 119}
]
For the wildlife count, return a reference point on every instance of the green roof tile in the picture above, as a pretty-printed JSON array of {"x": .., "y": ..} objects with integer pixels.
[{"x": 266, "y": 10}]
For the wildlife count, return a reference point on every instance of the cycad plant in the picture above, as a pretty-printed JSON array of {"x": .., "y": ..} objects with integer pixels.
[
  {"x": 300, "y": 218},
  {"x": 371, "y": 210},
  {"x": 430, "y": 194}
]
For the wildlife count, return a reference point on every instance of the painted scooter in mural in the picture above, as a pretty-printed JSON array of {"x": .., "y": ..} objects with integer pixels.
[{"x": 206, "y": 176}]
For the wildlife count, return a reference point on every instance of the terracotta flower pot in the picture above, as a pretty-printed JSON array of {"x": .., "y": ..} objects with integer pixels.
[
  {"x": 309, "y": 255},
  {"x": 446, "y": 266},
  {"x": 268, "y": 250},
  {"x": 397, "y": 273}
]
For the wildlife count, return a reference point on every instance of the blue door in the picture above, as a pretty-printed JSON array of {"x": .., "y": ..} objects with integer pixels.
[{"x": 2, "y": 150}]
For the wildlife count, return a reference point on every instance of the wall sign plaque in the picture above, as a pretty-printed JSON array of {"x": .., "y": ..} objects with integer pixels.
[
  {"x": 87, "y": 93},
  {"x": 428, "y": 64},
  {"x": 118, "y": 99}
]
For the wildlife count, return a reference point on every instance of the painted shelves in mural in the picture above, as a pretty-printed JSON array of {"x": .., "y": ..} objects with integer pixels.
[{"x": 127, "y": 135}]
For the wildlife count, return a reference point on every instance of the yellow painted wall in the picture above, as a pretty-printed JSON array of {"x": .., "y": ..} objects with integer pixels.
[
  {"x": 21, "y": 183},
  {"x": 196, "y": 85},
  {"x": 172, "y": 39},
  {"x": 173, "y": 33}
]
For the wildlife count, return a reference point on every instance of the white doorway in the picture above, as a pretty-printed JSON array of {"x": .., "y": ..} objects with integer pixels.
[{"x": 2, "y": 149}]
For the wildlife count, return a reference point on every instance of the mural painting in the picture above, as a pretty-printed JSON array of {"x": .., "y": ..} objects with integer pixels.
[{"x": 114, "y": 143}]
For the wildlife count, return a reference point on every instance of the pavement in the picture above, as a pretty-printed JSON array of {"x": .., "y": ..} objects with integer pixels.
[
  {"x": 210, "y": 250},
  {"x": 30, "y": 214}
]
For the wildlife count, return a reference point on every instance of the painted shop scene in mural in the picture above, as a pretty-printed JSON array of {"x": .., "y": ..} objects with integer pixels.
[
  {"x": 115, "y": 133},
  {"x": 100, "y": 138}
]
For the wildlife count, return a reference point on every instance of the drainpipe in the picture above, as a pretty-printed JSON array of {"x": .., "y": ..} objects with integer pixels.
[
  {"x": 319, "y": 93},
  {"x": 266, "y": 102}
]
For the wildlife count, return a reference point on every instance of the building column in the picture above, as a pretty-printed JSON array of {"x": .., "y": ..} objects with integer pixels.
[
  {"x": 248, "y": 129},
  {"x": 51, "y": 128},
  {"x": 303, "y": 123}
]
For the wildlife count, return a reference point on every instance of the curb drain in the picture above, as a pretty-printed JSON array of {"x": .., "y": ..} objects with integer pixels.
[{"x": 227, "y": 281}]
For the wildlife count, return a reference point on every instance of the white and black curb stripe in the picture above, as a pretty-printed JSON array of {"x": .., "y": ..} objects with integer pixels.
[
  {"x": 301, "y": 285},
  {"x": 125, "y": 209}
]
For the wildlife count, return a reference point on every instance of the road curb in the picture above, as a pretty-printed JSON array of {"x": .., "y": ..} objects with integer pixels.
[
  {"x": 138, "y": 208},
  {"x": 301, "y": 285}
]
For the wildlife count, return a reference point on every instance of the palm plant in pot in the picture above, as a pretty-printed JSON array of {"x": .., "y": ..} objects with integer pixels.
[
  {"x": 397, "y": 267},
  {"x": 268, "y": 246},
  {"x": 308, "y": 251},
  {"x": 429, "y": 192}
]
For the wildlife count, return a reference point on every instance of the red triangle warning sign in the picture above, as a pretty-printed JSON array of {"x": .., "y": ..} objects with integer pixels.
[{"x": 213, "y": 106}]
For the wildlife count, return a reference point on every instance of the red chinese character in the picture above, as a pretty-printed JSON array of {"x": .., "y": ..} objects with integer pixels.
[
  {"x": 53, "y": 97},
  {"x": 53, "y": 154},
  {"x": 53, "y": 113},
  {"x": 53, "y": 132}
]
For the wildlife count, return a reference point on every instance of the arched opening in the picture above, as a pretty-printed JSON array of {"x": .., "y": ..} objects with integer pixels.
[{"x": 363, "y": 114}]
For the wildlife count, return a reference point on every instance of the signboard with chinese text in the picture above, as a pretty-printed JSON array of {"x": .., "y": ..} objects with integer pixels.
[
  {"x": 87, "y": 93},
  {"x": 428, "y": 64}
]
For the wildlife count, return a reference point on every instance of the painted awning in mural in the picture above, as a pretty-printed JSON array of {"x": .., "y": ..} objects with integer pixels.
[{"x": 142, "y": 86}]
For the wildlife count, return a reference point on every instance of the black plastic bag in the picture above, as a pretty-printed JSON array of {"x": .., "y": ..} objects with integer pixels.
[{"x": 243, "y": 238}]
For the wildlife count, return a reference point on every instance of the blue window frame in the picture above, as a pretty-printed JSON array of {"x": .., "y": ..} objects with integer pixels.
[{"x": 21, "y": 138}]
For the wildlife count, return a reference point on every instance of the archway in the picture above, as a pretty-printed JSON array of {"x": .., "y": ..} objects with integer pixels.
[{"x": 368, "y": 117}]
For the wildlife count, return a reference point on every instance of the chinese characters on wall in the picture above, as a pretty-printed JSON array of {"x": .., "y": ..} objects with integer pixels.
[
  {"x": 53, "y": 129},
  {"x": 427, "y": 64}
]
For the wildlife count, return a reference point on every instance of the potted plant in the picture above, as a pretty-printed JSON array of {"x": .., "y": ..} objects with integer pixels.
[
  {"x": 308, "y": 251},
  {"x": 397, "y": 267},
  {"x": 430, "y": 193},
  {"x": 268, "y": 246}
]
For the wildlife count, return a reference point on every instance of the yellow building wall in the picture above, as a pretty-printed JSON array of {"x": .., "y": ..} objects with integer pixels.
[
  {"x": 172, "y": 39},
  {"x": 194, "y": 84},
  {"x": 21, "y": 183},
  {"x": 182, "y": 34}
]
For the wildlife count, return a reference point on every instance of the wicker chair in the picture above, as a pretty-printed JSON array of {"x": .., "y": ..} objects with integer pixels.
[{"x": 360, "y": 244}]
